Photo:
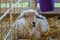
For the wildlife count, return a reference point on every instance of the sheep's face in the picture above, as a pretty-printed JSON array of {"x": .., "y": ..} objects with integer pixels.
[{"x": 30, "y": 18}]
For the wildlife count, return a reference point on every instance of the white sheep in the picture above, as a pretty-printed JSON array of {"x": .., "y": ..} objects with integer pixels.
[{"x": 29, "y": 24}]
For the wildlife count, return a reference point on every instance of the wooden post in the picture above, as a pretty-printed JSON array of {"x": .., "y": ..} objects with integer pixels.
[
  {"x": 11, "y": 18},
  {"x": 33, "y": 4},
  {"x": 22, "y": 1},
  {"x": 1, "y": 31}
]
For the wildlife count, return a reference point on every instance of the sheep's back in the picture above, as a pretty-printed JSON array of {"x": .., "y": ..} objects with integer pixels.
[{"x": 43, "y": 24}]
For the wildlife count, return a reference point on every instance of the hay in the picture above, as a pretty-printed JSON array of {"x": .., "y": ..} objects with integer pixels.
[
  {"x": 54, "y": 34},
  {"x": 54, "y": 24}
]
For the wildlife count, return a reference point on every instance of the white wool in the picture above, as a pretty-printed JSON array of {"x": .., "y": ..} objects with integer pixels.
[
  {"x": 36, "y": 13},
  {"x": 44, "y": 24},
  {"x": 20, "y": 23},
  {"x": 30, "y": 11}
]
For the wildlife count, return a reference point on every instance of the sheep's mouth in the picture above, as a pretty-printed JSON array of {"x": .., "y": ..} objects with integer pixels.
[{"x": 33, "y": 25}]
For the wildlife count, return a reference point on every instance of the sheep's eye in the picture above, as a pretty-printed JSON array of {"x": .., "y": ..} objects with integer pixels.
[
  {"x": 27, "y": 16},
  {"x": 24, "y": 16}
]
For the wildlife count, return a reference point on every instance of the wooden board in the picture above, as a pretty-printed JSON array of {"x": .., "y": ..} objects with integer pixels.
[
  {"x": 5, "y": 1},
  {"x": 14, "y": 10}
]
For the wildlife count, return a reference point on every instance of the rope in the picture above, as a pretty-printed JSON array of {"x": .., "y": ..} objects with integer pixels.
[{"x": 9, "y": 10}]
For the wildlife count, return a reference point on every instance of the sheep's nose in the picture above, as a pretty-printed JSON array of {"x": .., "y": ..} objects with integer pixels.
[{"x": 33, "y": 24}]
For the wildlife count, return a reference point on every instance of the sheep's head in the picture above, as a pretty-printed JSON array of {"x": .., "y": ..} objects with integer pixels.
[
  {"x": 31, "y": 23},
  {"x": 29, "y": 16}
]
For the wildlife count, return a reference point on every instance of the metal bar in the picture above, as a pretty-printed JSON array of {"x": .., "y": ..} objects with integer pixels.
[
  {"x": 5, "y": 14},
  {"x": 9, "y": 31}
]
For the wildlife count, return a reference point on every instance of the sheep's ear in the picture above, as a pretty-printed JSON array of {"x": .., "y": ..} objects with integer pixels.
[{"x": 38, "y": 16}]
